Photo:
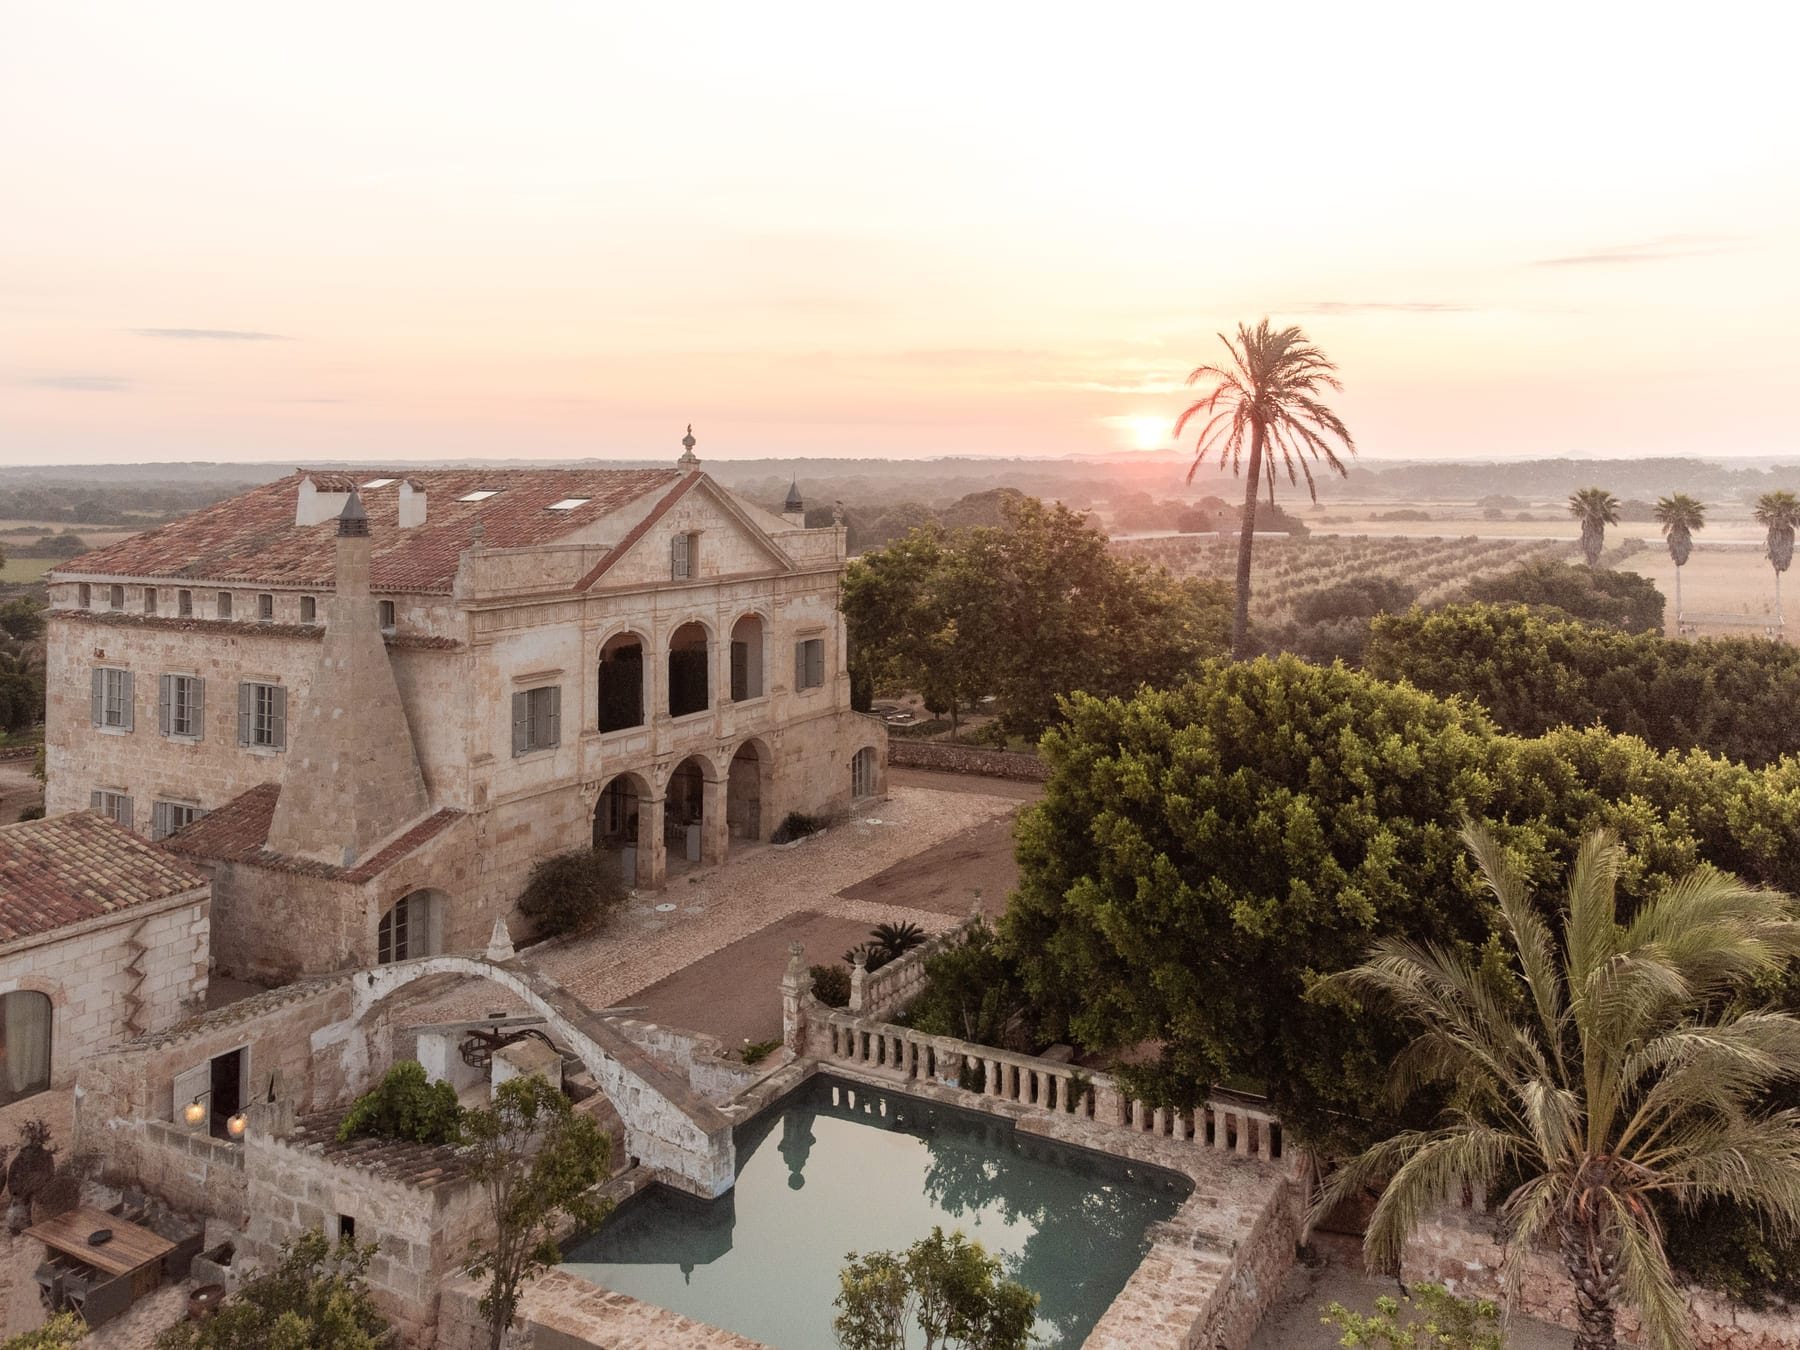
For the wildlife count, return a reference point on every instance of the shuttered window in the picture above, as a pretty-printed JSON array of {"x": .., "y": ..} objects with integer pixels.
[
  {"x": 224, "y": 609},
  {"x": 809, "y": 663},
  {"x": 262, "y": 715},
  {"x": 149, "y": 599},
  {"x": 309, "y": 609},
  {"x": 113, "y": 805},
  {"x": 110, "y": 698},
  {"x": 681, "y": 557},
  {"x": 184, "y": 604},
  {"x": 181, "y": 706},
  {"x": 265, "y": 609},
  {"x": 168, "y": 817},
  {"x": 537, "y": 719}
]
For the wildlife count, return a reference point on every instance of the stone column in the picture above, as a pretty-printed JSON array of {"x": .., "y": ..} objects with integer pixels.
[
  {"x": 859, "y": 980},
  {"x": 653, "y": 852},
  {"x": 715, "y": 829},
  {"x": 796, "y": 992}
]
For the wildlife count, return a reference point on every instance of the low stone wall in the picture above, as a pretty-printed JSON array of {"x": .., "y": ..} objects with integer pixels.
[
  {"x": 714, "y": 1071},
  {"x": 967, "y": 759},
  {"x": 561, "y": 1312},
  {"x": 1461, "y": 1250}
]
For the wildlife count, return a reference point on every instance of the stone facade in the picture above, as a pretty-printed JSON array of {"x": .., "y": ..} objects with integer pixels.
[
  {"x": 505, "y": 678},
  {"x": 1461, "y": 1250}
]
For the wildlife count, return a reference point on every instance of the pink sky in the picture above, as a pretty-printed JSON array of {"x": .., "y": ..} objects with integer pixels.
[{"x": 404, "y": 231}]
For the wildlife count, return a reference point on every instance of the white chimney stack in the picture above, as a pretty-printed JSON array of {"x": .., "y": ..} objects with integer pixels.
[
  {"x": 312, "y": 506},
  {"x": 412, "y": 504}
]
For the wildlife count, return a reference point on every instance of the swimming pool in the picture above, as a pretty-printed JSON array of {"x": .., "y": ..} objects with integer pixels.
[{"x": 836, "y": 1167}]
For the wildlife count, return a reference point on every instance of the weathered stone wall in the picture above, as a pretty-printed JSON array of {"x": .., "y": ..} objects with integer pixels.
[
  {"x": 966, "y": 759},
  {"x": 422, "y": 1234},
  {"x": 1461, "y": 1250},
  {"x": 563, "y": 1312},
  {"x": 126, "y": 1110},
  {"x": 115, "y": 977},
  {"x": 713, "y": 1070}
]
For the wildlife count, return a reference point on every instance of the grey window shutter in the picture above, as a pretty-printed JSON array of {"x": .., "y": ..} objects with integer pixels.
[
  {"x": 246, "y": 697},
  {"x": 678, "y": 553},
  {"x": 97, "y": 698},
  {"x": 197, "y": 708},
  {"x": 128, "y": 681},
  {"x": 165, "y": 688},
  {"x": 818, "y": 671},
  {"x": 278, "y": 716},
  {"x": 521, "y": 723},
  {"x": 159, "y": 816},
  {"x": 127, "y": 816},
  {"x": 555, "y": 715},
  {"x": 94, "y": 800}
]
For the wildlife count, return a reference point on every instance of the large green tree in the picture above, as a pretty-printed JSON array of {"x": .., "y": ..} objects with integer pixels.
[
  {"x": 1592, "y": 595},
  {"x": 1027, "y": 611},
  {"x": 1265, "y": 400},
  {"x": 1606, "y": 1072},
  {"x": 1680, "y": 515},
  {"x": 1202, "y": 854},
  {"x": 1779, "y": 514},
  {"x": 1594, "y": 508},
  {"x": 1731, "y": 696}
]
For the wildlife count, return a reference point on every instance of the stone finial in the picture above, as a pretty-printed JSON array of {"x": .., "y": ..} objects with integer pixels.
[
  {"x": 688, "y": 457},
  {"x": 500, "y": 943},
  {"x": 837, "y": 513}
]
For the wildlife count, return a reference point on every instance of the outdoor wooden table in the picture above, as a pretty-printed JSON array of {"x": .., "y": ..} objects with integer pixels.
[{"x": 133, "y": 1251}]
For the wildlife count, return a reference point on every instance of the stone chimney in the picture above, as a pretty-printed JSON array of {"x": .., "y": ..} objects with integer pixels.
[
  {"x": 313, "y": 506},
  {"x": 352, "y": 776},
  {"x": 793, "y": 511},
  {"x": 412, "y": 504}
]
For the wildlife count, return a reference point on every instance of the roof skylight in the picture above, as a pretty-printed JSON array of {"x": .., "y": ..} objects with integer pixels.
[
  {"x": 380, "y": 482},
  {"x": 568, "y": 503},
  {"x": 481, "y": 496}
]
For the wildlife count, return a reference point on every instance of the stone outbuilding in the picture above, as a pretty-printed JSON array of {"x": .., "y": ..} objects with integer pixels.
[
  {"x": 369, "y": 704},
  {"x": 103, "y": 936}
]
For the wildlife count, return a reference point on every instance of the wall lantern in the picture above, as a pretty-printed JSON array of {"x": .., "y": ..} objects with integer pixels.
[
  {"x": 193, "y": 1112},
  {"x": 235, "y": 1126}
]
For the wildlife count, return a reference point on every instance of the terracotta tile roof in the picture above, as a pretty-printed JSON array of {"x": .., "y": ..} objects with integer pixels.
[
  {"x": 239, "y": 832},
  {"x": 304, "y": 632},
  {"x": 251, "y": 539},
  {"x": 240, "y": 1011},
  {"x": 69, "y": 868},
  {"x": 423, "y": 1166}
]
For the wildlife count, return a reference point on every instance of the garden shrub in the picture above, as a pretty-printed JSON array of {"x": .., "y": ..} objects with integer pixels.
[
  {"x": 405, "y": 1105},
  {"x": 831, "y": 985},
  {"x": 572, "y": 892},
  {"x": 796, "y": 825},
  {"x": 973, "y": 992},
  {"x": 59, "y": 1333},
  {"x": 316, "y": 1295}
]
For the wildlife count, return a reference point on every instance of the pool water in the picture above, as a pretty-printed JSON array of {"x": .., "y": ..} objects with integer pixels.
[{"x": 836, "y": 1167}]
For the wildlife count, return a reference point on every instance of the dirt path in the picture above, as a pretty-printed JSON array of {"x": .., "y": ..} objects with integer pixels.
[{"x": 18, "y": 789}]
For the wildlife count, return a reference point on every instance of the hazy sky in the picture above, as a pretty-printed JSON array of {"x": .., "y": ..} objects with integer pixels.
[{"x": 255, "y": 231}]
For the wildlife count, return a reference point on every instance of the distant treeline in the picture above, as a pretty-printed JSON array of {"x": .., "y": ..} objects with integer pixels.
[{"x": 131, "y": 505}]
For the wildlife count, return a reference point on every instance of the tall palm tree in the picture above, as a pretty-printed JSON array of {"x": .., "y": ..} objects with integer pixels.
[
  {"x": 1610, "y": 1073},
  {"x": 1265, "y": 399},
  {"x": 1680, "y": 515},
  {"x": 1595, "y": 508},
  {"x": 1780, "y": 513}
]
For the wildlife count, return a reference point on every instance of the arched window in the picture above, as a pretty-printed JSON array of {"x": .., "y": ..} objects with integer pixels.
[
  {"x": 622, "y": 682},
  {"x": 747, "y": 659},
  {"x": 862, "y": 773},
  {"x": 410, "y": 929},
  {"x": 688, "y": 670},
  {"x": 24, "y": 1045}
]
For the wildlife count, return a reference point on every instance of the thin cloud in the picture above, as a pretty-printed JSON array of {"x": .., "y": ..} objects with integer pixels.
[
  {"x": 211, "y": 334},
  {"x": 1382, "y": 307},
  {"x": 87, "y": 384},
  {"x": 1664, "y": 249}
]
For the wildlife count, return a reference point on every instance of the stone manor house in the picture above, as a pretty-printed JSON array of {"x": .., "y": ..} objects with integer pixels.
[{"x": 366, "y": 705}]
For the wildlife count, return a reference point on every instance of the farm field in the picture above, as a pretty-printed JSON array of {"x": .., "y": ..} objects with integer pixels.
[
  {"x": 1719, "y": 582},
  {"x": 1286, "y": 569},
  {"x": 23, "y": 571}
]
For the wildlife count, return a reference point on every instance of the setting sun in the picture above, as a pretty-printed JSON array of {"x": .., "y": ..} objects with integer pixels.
[{"x": 1147, "y": 432}]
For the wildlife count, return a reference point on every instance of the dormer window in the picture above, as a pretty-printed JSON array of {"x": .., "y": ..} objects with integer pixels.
[
  {"x": 480, "y": 496},
  {"x": 568, "y": 503}
]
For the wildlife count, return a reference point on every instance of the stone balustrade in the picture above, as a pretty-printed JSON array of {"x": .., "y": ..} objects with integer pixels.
[
  {"x": 881, "y": 993},
  {"x": 1222, "y": 1123}
]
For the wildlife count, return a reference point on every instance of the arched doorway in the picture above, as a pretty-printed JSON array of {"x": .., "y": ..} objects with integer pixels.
[
  {"x": 684, "y": 813},
  {"x": 747, "y": 659},
  {"x": 622, "y": 693},
  {"x": 744, "y": 792},
  {"x": 412, "y": 927},
  {"x": 690, "y": 659},
  {"x": 616, "y": 826},
  {"x": 864, "y": 768}
]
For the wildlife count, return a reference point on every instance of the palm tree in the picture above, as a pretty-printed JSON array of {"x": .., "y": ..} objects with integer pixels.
[
  {"x": 1610, "y": 1076},
  {"x": 1266, "y": 398},
  {"x": 1595, "y": 508},
  {"x": 1780, "y": 512},
  {"x": 1680, "y": 515}
]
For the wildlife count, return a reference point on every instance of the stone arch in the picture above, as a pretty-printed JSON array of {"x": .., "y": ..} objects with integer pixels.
[
  {"x": 689, "y": 656},
  {"x": 622, "y": 680},
  {"x": 749, "y": 651},
  {"x": 412, "y": 926},
  {"x": 689, "y": 793},
  {"x": 618, "y": 819},
  {"x": 667, "y": 1125},
  {"x": 749, "y": 791}
]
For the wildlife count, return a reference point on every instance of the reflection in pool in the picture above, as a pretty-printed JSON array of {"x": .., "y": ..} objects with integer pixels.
[{"x": 836, "y": 1167}]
